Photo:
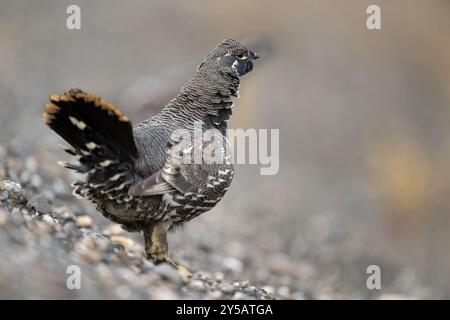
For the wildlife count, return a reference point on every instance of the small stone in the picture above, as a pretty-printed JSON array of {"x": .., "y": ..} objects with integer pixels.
[
  {"x": 283, "y": 291},
  {"x": 113, "y": 229},
  {"x": 36, "y": 181},
  {"x": 126, "y": 242},
  {"x": 25, "y": 177},
  {"x": 226, "y": 287},
  {"x": 298, "y": 295},
  {"x": 3, "y": 217},
  {"x": 269, "y": 289},
  {"x": 48, "y": 219},
  {"x": 100, "y": 241},
  {"x": 163, "y": 293},
  {"x": 41, "y": 227},
  {"x": 239, "y": 296},
  {"x": 31, "y": 164},
  {"x": 147, "y": 265},
  {"x": 85, "y": 248},
  {"x": 123, "y": 292},
  {"x": 60, "y": 188},
  {"x": 84, "y": 221},
  {"x": 40, "y": 204},
  {"x": 219, "y": 276},
  {"x": 118, "y": 248},
  {"x": 251, "y": 291},
  {"x": 13, "y": 190},
  {"x": 232, "y": 264},
  {"x": 245, "y": 283},
  {"x": 215, "y": 295},
  {"x": 395, "y": 296},
  {"x": 68, "y": 227},
  {"x": 167, "y": 272},
  {"x": 64, "y": 214},
  {"x": 91, "y": 256},
  {"x": 197, "y": 285}
]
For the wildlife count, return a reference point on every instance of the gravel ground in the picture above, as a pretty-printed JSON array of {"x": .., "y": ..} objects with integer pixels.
[
  {"x": 40, "y": 239},
  {"x": 45, "y": 231}
]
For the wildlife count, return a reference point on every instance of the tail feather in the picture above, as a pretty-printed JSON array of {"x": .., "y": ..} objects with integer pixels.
[
  {"x": 77, "y": 116},
  {"x": 101, "y": 138}
]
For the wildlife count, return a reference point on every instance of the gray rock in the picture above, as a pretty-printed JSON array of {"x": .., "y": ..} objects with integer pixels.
[
  {"x": 40, "y": 204},
  {"x": 197, "y": 285},
  {"x": 13, "y": 190},
  {"x": 226, "y": 287},
  {"x": 232, "y": 264},
  {"x": 168, "y": 272}
]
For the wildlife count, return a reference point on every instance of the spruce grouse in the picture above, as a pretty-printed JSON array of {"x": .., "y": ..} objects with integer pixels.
[{"x": 132, "y": 173}]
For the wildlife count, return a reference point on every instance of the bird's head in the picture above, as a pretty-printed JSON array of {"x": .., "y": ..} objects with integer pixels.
[{"x": 232, "y": 54}]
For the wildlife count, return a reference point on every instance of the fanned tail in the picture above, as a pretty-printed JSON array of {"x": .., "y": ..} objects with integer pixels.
[{"x": 100, "y": 137}]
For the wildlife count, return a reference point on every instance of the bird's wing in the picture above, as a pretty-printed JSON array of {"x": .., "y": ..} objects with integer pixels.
[{"x": 174, "y": 176}]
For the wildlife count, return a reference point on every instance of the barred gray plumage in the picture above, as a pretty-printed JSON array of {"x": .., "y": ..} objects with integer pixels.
[{"x": 132, "y": 173}]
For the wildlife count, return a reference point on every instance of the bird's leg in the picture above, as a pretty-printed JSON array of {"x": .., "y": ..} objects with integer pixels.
[{"x": 157, "y": 249}]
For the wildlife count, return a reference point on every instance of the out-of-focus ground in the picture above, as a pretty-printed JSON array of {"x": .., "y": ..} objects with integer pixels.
[{"x": 364, "y": 123}]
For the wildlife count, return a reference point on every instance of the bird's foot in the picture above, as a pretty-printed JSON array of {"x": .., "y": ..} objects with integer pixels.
[
  {"x": 156, "y": 248},
  {"x": 182, "y": 270}
]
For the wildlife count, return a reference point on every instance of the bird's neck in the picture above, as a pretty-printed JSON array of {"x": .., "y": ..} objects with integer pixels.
[{"x": 207, "y": 97}]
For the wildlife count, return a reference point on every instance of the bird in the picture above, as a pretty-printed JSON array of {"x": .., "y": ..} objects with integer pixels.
[{"x": 134, "y": 173}]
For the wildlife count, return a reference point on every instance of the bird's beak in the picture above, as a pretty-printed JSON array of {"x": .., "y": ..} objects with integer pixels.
[{"x": 254, "y": 55}]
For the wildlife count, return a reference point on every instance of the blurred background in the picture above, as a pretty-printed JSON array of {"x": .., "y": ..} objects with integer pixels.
[{"x": 364, "y": 119}]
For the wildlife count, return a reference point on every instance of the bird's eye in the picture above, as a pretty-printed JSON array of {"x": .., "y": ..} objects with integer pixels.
[{"x": 240, "y": 54}]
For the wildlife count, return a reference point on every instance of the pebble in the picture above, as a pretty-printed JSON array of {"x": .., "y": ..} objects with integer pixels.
[
  {"x": 42, "y": 227},
  {"x": 269, "y": 289},
  {"x": 126, "y": 242},
  {"x": 12, "y": 189},
  {"x": 226, "y": 287},
  {"x": 219, "y": 276},
  {"x": 113, "y": 229},
  {"x": 25, "y": 177},
  {"x": 123, "y": 292},
  {"x": 60, "y": 188},
  {"x": 215, "y": 295},
  {"x": 250, "y": 291},
  {"x": 163, "y": 293},
  {"x": 85, "y": 248},
  {"x": 48, "y": 219},
  {"x": 40, "y": 204},
  {"x": 168, "y": 272},
  {"x": 147, "y": 265},
  {"x": 31, "y": 164},
  {"x": 197, "y": 285},
  {"x": 395, "y": 296},
  {"x": 232, "y": 264},
  {"x": 36, "y": 181},
  {"x": 240, "y": 296},
  {"x": 284, "y": 291},
  {"x": 84, "y": 221},
  {"x": 3, "y": 217},
  {"x": 69, "y": 227},
  {"x": 64, "y": 214},
  {"x": 100, "y": 241}
]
